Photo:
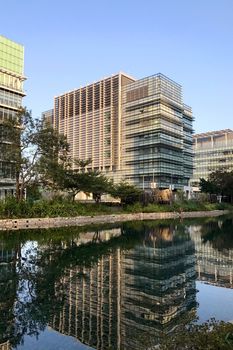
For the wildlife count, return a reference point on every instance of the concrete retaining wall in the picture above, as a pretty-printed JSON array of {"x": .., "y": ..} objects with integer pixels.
[{"x": 17, "y": 224}]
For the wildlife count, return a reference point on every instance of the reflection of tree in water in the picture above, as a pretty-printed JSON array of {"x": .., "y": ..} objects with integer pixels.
[
  {"x": 8, "y": 283},
  {"x": 214, "y": 251},
  {"x": 219, "y": 234},
  {"x": 148, "y": 290},
  {"x": 28, "y": 296},
  {"x": 131, "y": 293}
]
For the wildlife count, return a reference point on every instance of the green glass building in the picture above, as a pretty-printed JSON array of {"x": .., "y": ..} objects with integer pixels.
[
  {"x": 11, "y": 94},
  {"x": 156, "y": 134}
]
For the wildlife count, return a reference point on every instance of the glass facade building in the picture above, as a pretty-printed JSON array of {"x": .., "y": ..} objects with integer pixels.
[
  {"x": 137, "y": 130},
  {"x": 212, "y": 151},
  {"x": 156, "y": 134},
  {"x": 48, "y": 117},
  {"x": 11, "y": 94}
]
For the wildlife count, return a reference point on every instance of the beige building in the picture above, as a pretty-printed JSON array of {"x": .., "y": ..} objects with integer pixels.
[
  {"x": 91, "y": 118},
  {"x": 138, "y": 130},
  {"x": 5, "y": 346}
]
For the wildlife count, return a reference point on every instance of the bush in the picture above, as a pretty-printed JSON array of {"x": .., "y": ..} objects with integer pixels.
[
  {"x": 10, "y": 208},
  {"x": 210, "y": 335},
  {"x": 133, "y": 208}
]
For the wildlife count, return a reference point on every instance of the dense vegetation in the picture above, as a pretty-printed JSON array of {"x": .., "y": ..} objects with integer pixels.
[
  {"x": 11, "y": 208},
  {"x": 211, "y": 335},
  {"x": 220, "y": 183}
]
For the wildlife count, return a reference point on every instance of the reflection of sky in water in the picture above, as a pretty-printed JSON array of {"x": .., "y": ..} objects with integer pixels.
[
  {"x": 214, "y": 302},
  {"x": 130, "y": 287},
  {"x": 51, "y": 340}
]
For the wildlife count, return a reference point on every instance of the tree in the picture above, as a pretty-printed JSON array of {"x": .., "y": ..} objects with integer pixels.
[
  {"x": 127, "y": 193},
  {"x": 87, "y": 181},
  {"x": 210, "y": 335},
  {"x": 219, "y": 182},
  {"x": 75, "y": 182},
  {"x": 223, "y": 180},
  {"x": 100, "y": 185},
  {"x": 207, "y": 186},
  {"x": 28, "y": 141}
]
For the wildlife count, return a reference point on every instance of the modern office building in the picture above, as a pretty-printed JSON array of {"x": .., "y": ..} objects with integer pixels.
[
  {"x": 48, "y": 117},
  {"x": 212, "y": 151},
  {"x": 140, "y": 130},
  {"x": 91, "y": 119},
  {"x": 11, "y": 94},
  {"x": 156, "y": 134}
]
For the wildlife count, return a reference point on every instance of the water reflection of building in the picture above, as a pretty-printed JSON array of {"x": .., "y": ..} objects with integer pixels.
[
  {"x": 7, "y": 295},
  {"x": 214, "y": 266},
  {"x": 5, "y": 346},
  {"x": 159, "y": 285},
  {"x": 130, "y": 293},
  {"x": 91, "y": 311}
]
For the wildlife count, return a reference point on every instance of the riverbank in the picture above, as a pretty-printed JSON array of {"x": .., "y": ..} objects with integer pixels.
[{"x": 34, "y": 223}]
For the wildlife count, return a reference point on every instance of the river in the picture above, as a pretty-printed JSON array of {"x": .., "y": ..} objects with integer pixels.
[{"x": 113, "y": 287}]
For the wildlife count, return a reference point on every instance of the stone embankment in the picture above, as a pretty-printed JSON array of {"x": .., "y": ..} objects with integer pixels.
[{"x": 20, "y": 224}]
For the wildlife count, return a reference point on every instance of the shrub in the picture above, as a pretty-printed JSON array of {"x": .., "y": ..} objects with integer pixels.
[{"x": 210, "y": 335}]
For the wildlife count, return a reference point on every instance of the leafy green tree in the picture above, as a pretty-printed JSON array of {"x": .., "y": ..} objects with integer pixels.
[
  {"x": 207, "y": 186},
  {"x": 85, "y": 180},
  {"x": 210, "y": 335},
  {"x": 220, "y": 182},
  {"x": 33, "y": 192},
  {"x": 75, "y": 182},
  {"x": 223, "y": 180},
  {"x": 127, "y": 193},
  {"x": 28, "y": 141},
  {"x": 100, "y": 185}
]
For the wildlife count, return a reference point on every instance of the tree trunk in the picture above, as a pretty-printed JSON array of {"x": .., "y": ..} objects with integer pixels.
[
  {"x": 17, "y": 190},
  {"x": 21, "y": 191}
]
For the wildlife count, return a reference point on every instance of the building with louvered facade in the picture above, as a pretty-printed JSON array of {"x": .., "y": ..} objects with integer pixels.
[{"x": 134, "y": 130}]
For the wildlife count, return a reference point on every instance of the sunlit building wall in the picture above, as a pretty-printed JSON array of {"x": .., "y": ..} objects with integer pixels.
[
  {"x": 5, "y": 346},
  {"x": 11, "y": 94},
  {"x": 212, "y": 151},
  {"x": 139, "y": 130},
  {"x": 90, "y": 117}
]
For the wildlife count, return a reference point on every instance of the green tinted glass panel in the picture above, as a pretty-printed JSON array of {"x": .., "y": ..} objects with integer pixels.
[{"x": 11, "y": 55}]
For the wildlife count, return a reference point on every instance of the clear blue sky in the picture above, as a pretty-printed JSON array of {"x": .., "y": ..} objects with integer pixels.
[{"x": 74, "y": 42}]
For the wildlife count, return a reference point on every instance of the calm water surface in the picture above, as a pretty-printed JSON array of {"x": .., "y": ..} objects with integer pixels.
[{"x": 113, "y": 287}]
